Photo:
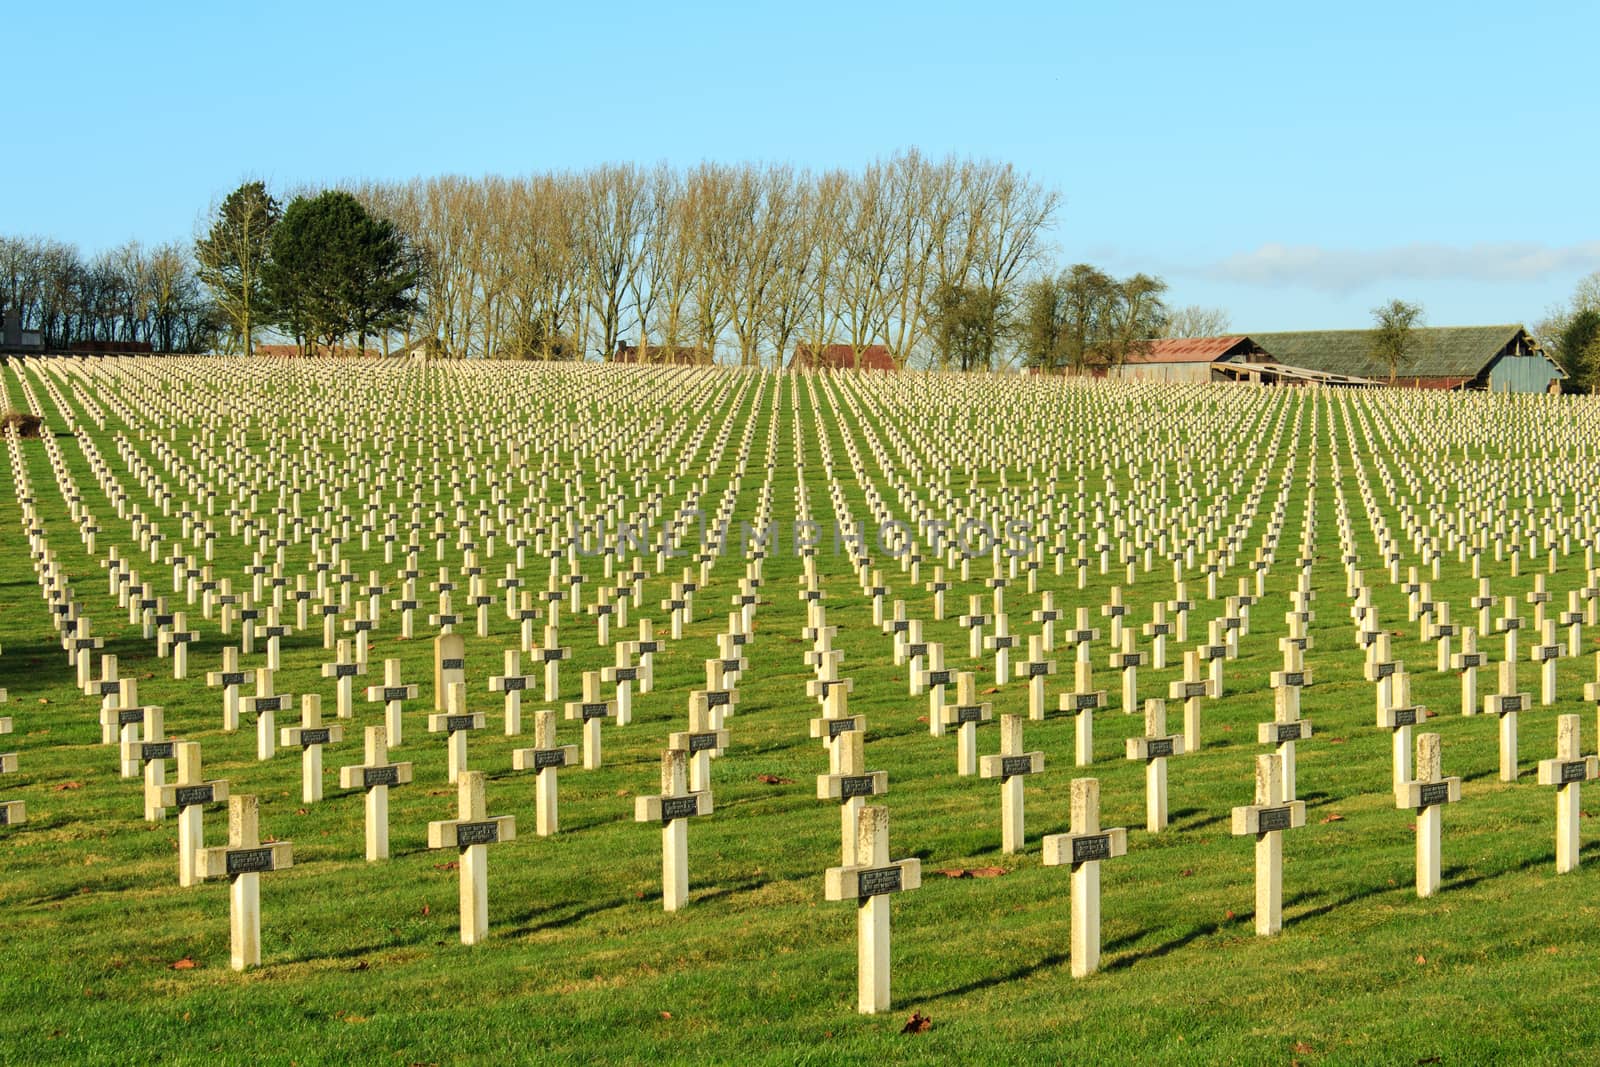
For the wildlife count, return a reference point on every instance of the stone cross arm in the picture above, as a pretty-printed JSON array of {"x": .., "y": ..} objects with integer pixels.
[
  {"x": 1251, "y": 819},
  {"x": 860, "y": 882},
  {"x": 462, "y": 833}
]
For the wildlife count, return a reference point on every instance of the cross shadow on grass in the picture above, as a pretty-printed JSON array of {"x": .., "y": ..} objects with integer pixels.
[
  {"x": 1448, "y": 877},
  {"x": 1308, "y": 895},
  {"x": 1177, "y": 819},
  {"x": 1155, "y": 951},
  {"x": 1055, "y": 959},
  {"x": 559, "y": 922},
  {"x": 77, "y": 892}
]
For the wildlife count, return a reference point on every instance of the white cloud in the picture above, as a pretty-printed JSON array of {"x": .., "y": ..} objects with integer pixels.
[{"x": 1341, "y": 270}]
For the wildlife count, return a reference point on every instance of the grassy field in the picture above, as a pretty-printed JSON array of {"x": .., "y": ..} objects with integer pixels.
[{"x": 107, "y": 959}]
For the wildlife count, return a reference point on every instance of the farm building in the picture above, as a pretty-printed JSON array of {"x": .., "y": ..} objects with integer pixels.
[
  {"x": 843, "y": 357},
  {"x": 1502, "y": 359},
  {"x": 678, "y": 355},
  {"x": 1187, "y": 359}
]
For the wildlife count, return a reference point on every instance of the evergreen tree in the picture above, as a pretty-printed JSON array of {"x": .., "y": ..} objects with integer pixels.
[{"x": 337, "y": 271}]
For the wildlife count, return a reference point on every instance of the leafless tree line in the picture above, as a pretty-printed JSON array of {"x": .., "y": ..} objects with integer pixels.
[
  {"x": 737, "y": 262},
  {"x": 130, "y": 293}
]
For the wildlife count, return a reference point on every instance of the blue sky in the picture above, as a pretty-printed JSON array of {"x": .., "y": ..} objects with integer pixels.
[{"x": 1294, "y": 164}]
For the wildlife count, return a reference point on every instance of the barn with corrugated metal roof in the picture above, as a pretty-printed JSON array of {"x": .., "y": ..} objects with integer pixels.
[
  {"x": 1501, "y": 359},
  {"x": 1187, "y": 359}
]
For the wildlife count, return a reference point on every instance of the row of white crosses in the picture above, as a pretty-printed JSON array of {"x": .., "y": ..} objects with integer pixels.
[
  {"x": 1213, "y": 661},
  {"x": 312, "y": 736},
  {"x": 1424, "y": 788},
  {"x": 12, "y": 812}
]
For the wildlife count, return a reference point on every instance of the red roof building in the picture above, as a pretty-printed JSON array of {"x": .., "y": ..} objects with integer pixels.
[
  {"x": 316, "y": 351},
  {"x": 843, "y": 357},
  {"x": 681, "y": 355}
]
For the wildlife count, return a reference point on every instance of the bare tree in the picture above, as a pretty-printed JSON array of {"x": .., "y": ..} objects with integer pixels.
[
  {"x": 612, "y": 215},
  {"x": 1196, "y": 321}
]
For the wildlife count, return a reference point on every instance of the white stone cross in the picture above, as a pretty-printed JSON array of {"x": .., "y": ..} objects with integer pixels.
[
  {"x": 242, "y": 861},
  {"x": 344, "y": 669},
  {"x": 373, "y": 777},
  {"x": 591, "y": 711},
  {"x": 512, "y": 683},
  {"x": 1128, "y": 661},
  {"x": 309, "y": 737},
  {"x": 1265, "y": 820},
  {"x": 1153, "y": 749},
  {"x": 151, "y": 753},
  {"x": 545, "y": 759},
  {"x": 108, "y": 688},
  {"x": 176, "y": 641},
  {"x": 1191, "y": 689},
  {"x": 1287, "y": 726},
  {"x": 1036, "y": 668},
  {"x": 392, "y": 694},
  {"x": 1427, "y": 794},
  {"x": 672, "y": 807},
  {"x": 1467, "y": 661},
  {"x": 1507, "y": 703},
  {"x": 190, "y": 793},
  {"x": 1545, "y": 654},
  {"x": 1567, "y": 772},
  {"x": 1083, "y": 849},
  {"x": 230, "y": 678},
  {"x": 471, "y": 833},
  {"x": 1011, "y": 766},
  {"x": 965, "y": 715},
  {"x": 550, "y": 653},
  {"x": 623, "y": 674},
  {"x": 702, "y": 741},
  {"x": 264, "y": 706},
  {"x": 850, "y": 784},
  {"x": 868, "y": 882},
  {"x": 456, "y": 723}
]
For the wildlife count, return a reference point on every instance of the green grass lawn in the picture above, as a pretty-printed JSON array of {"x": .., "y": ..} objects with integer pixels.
[{"x": 362, "y": 961}]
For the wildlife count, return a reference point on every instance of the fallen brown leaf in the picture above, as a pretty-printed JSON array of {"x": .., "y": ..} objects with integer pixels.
[
  {"x": 973, "y": 872},
  {"x": 666, "y": 1015},
  {"x": 917, "y": 1024},
  {"x": 451, "y": 866},
  {"x": 1303, "y": 1048},
  {"x": 64, "y": 786},
  {"x": 1421, "y": 960},
  {"x": 185, "y": 964},
  {"x": 1335, "y": 817},
  {"x": 426, "y": 910},
  {"x": 991, "y": 689},
  {"x": 773, "y": 779},
  {"x": 1228, "y": 914}
]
